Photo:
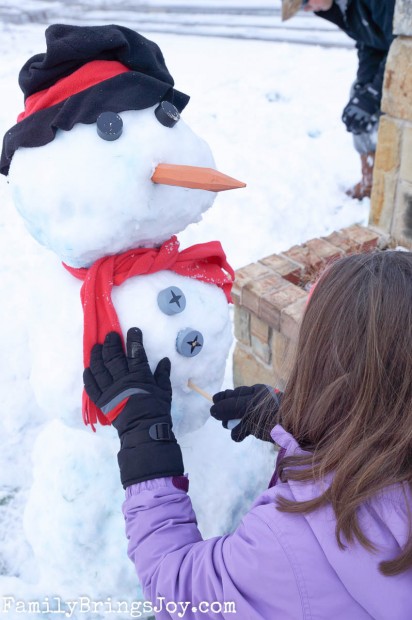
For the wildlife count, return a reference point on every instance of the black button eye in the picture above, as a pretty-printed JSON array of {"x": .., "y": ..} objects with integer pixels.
[
  {"x": 171, "y": 300},
  {"x": 109, "y": 126},
  {"x": 167, "y": 114}
]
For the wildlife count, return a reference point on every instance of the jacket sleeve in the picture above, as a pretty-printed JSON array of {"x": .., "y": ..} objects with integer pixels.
[
  {"x": 372, "y": 57},
  {"x": 174, "y": 563},
  {"x": 334, "y": 15},
  {"x": 371, "y": 66}
]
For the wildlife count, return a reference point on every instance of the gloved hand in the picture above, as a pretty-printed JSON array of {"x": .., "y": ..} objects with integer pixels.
[
  {"x": 148, "y": 447},
  {"x": 363, "y": 109},
  {"x": 256, "y": 406}
]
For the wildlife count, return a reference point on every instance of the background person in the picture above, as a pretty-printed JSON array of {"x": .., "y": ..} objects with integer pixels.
[
  {"x": 369, "y": 23},
  {"x": 331, "y": 538}
]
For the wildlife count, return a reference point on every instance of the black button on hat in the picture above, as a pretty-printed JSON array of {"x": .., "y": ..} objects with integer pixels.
[{"x": 167, "y": 114}]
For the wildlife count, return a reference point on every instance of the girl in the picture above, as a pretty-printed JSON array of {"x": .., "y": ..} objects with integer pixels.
[{"x": 331, "y": 539}]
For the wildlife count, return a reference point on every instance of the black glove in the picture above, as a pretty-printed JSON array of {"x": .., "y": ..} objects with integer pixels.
[
  {"x": 363, "y": 109},
  {"x": 148, "y": 447},
  {"x": 256, "y": 407}
]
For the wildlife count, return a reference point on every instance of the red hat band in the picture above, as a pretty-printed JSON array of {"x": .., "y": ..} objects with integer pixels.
[{"x": 88, "y": 75}]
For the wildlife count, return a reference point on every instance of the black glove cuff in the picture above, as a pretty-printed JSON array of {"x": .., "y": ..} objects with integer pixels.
[{"x": 154, "y": 459}]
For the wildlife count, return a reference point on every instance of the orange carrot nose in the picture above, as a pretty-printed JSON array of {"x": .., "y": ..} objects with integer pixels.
[{"x": 194, "y": 177}]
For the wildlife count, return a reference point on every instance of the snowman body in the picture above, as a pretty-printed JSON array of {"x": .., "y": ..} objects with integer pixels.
[{"x": 84, "y": 198}]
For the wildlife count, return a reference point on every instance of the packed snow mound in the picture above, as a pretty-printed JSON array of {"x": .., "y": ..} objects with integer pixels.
[
  {"x": 84, "y": 197},
  {"x": 73, "y": 483}
]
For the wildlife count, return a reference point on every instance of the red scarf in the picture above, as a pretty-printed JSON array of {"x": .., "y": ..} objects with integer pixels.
[{"x": 206, "y": 262}]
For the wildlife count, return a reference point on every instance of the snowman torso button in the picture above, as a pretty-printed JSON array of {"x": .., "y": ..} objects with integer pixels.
[
  {"x": 171, "y": 300},
  {"x": 189, "y": 342},
  {"x": 109, "y": 126}
]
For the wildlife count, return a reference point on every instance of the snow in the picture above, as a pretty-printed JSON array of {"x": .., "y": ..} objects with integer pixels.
[
  {"x": 271, "y": 115},
  {"x": 101, "y": 199},
  {"x": 231, "y": 19}
]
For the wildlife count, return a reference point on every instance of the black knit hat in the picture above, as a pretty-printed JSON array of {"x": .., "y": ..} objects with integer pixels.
[{"x": 145, "y": 82}]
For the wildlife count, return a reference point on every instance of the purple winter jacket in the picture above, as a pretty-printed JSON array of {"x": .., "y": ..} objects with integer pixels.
[{"x": 275, "y": 566}]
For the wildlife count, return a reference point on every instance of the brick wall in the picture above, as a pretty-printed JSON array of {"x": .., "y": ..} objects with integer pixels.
[
  {"x": 391, "y": 201},
  {"x": 270, "y": 297}
]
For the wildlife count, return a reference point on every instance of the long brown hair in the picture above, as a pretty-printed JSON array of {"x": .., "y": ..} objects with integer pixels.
[{"x": 348, "y": 401}]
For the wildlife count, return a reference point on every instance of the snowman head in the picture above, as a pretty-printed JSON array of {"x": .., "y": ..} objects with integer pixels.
[{"x": 100, "y": 160}]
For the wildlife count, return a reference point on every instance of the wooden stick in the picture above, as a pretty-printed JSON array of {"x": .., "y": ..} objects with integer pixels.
[{"x": 199, "y": 390}]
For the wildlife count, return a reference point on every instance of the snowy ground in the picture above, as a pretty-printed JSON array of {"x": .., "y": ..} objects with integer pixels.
[
  {"x": 237, "y": 19},
  {"x": 271, "y": 113}
]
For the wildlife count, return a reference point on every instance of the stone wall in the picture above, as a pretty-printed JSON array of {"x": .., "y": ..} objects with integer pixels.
[
  {"x": 402, "y": 23},
  {"x": 391, "y": 202},
  {"x": 270, "y": 297}
]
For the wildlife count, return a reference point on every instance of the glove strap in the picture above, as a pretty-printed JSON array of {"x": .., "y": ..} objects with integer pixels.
[
  {"x": 158, "y": 432},
  {"x": 161, "y": 432}
]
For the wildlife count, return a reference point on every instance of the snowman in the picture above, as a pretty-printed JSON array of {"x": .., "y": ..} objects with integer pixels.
[{"x": 105, "y": 172}]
